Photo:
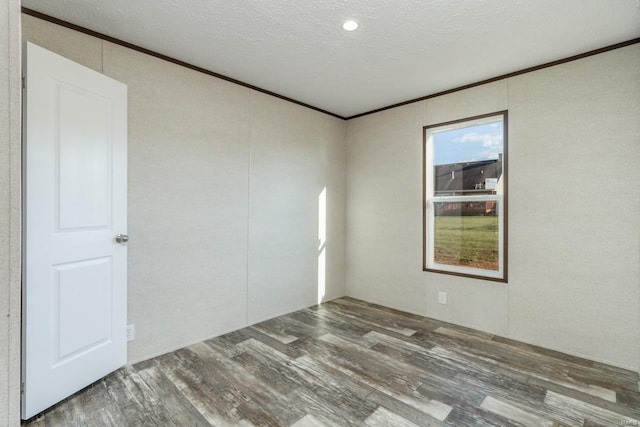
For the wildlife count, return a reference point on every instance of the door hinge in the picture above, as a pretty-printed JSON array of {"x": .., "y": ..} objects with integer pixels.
[
  {"x": 21, "y": 388},
  {"x": 24, "y": 82}
]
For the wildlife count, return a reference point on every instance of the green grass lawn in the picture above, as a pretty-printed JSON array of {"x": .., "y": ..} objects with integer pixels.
[{"x": 469, "y": 241}]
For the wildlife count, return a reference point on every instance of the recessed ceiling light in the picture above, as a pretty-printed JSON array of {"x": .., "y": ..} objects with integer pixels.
[{"x": 350, "y": 25}]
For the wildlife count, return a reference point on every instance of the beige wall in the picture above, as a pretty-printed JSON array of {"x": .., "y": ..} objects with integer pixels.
[
  {"x": 296, "y": 154},
  {"x": 223, "y": 196},
  {"x": 225, "y": 183},
  {"x": 10, "y": 93},
  {"x": 574, "y": 210}
]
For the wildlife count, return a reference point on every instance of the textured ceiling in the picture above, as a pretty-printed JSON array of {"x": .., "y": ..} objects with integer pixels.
[{"x": 403, "y": 49}]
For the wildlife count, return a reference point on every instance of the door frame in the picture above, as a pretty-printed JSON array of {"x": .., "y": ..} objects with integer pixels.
[{"x": 10, "y": 212}]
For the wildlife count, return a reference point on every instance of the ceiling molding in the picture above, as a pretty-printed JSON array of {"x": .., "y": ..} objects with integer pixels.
[
  {"x": 137, "y": 48},
  {"x": 123, "y": 43},
  {"x": 505, "y": 76}
]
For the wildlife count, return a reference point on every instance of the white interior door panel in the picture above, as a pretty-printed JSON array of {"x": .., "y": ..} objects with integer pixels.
[{"x": 75, "y": 195}]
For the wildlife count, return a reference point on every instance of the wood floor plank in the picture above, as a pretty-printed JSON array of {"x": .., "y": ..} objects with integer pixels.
[
  {"x": 215, "y": 400},
  {"x": 336, "y": 388},
  {"x": 119, "y": 394},
  {"x": 549, "y": 373},
  {"x": 253, "y": 414},
  {"x": 545, "y": 351},
  {"x": 473, "y": 416},
  {"x": 408, "y": 352},
  {"x": 67, "y": 413},
  {"x": 588, "y": 411},
  {"x": 391, "y": 377},
  {"x": 343, "y": 395},
  {"x": 514, "y": 413},
  {"x": 98, "y": 410},
  {"x": 545, "y": 377},
  {"x": 406, "y": 411},
  {"x": 412, "y": 321},
  {"x": 630, "y": 399},
  {"x": 509, "y": 386},
  {"x": 353, "y": 363},
  {"x": 276, "y": 330},
  {"x": 391, "y": 322},
  {"x": 180, "y": 409},
  {"x": 382, "y": 372},
  {"x": 308, "y": 421},
  {"x": 382, "y": 417},
  {"x": 324, "y": 324},
  {"x": 563, "y": 371},
  {"x": 324, "y": 410},
  {"x": 289, "y": 350},
  {"x": 274, "y": 402},
  {"x": 477, "y": 335}
]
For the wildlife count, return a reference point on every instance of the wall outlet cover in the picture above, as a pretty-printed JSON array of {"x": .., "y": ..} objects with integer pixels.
[
  {"x": 131, "y": 332},
  {"x": 442, "y": 297}
]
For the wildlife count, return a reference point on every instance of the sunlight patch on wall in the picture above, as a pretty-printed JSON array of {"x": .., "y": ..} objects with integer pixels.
[{"x": 322, "y": 240}]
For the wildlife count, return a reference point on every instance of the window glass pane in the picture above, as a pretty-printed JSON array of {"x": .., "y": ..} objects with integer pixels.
[
  {"x": 468, "y": 160},
  {"x": 465, "y": 197},
  {"x": 466, "y": 234}
]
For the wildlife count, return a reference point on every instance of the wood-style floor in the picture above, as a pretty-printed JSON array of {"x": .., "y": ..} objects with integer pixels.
[{"x": 348, "y": 362}]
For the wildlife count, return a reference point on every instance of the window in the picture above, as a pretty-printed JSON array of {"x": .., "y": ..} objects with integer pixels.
[{"x": 465, "y": 197}]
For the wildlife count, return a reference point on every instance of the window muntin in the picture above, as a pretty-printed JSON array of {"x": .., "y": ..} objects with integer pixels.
[{"x": 465, "y": 197}]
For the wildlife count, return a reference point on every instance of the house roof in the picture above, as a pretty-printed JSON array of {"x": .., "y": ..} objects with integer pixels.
[{"x": 467, "y": 176}]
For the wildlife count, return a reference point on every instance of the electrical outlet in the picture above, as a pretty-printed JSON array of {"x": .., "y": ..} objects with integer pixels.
[
  {"x": 131, "y": 332},
  {"x": 442, "y": 297}
]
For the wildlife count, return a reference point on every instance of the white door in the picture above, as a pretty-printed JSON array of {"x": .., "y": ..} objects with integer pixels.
[{"x": 75, "y": 196}]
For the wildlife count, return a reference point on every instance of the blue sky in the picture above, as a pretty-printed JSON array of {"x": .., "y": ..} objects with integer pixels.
[{"x": 479, "y": 142}]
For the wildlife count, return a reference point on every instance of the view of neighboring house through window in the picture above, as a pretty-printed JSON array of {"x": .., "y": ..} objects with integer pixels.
[{"x": 465, "y": 173}]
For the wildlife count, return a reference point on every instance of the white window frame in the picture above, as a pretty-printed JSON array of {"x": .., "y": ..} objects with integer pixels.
[{"x": 429, "y": 263}]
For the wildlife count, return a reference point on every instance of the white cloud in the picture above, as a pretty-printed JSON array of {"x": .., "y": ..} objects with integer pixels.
[
  {"x": 490, "y": 155},
  {"x": 488, "y": 140}
]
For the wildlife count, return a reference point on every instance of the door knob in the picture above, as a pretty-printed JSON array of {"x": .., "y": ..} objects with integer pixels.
[{"x": 122, "y": 238}]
